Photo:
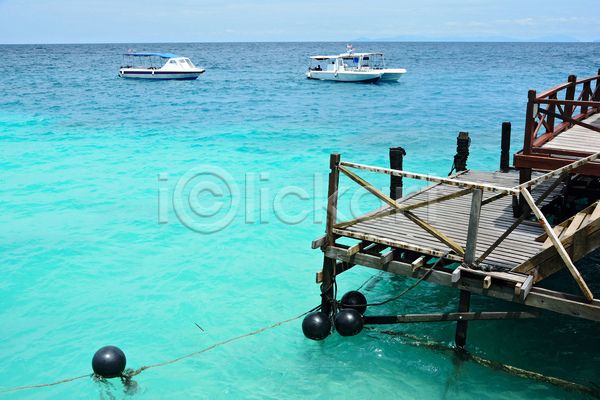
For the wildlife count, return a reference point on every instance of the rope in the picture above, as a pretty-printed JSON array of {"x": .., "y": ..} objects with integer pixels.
[
  {"x": 421, "y": 279},
  {"x": 368, "y": 280},
  {"x": 45, "y": 384},
  {"x": 127, "y": 377},
  {"x": 137, "y": 372}
]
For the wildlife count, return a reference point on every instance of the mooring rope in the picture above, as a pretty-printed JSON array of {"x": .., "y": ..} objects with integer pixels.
[
  {"x": 368, "y": 280},
  {"x": 421, "y": 279},
  {"x": 138, "y": 371},
  {"x": 131, "y": 373},
  {"x": 46, "y": 384}
]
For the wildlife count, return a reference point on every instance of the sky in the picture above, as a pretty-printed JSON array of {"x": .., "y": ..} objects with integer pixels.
[{"x": 148, "y": 21}]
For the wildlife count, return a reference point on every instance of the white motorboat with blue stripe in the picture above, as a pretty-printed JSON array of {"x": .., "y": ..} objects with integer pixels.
[
  {"x": 158, "y": 66},
  {"x": 353, "y": 67}
]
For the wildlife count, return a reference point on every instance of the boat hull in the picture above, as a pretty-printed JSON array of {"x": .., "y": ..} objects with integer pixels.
[
  {"x": 392, "y": 74},
  {"x": 158, "y": 74},
  {"x": 344, "y": 76}
]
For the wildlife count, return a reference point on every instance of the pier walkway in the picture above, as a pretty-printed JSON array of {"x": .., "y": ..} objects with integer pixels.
[{"x": 499, "y": 233}]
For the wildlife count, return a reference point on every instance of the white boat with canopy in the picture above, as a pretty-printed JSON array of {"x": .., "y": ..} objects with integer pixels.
[
  {"x": 158, "y": 66},
  {"x": 353, "y": 67}
]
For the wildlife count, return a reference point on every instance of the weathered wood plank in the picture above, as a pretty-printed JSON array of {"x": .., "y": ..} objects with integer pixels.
[
  {"x": 473, "y": 227},
  {"x": 430, "y": 178},
  {"x": 317, "y": 243},
  {"x": 394, "y": 243},
  {"x": 440, "y": 199},
  {"x": 418, "y": 263},
  {"x": 387, "y": 256},
  {"x": 574, "y": 225},
  {"x": 356, "y": 248},
  {"x": 596, "y": 213},
  {"x": 523, "y": 289},
  {"x": 540, "y": 298},
  {"x": 446, "y": 317},
  {"x": 365, "y": 218},
  {"x": 436, "y": 233},
  {"x": 558, "y": 245},
  {"x": 548, "y": 261}
]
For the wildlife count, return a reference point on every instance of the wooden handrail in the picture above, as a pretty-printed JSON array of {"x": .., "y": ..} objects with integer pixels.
[
  {"x": 565, "y": 85},
  {"x": 588, "y": 102}
]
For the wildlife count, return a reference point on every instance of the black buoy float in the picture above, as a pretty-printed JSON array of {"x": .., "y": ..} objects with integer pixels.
[
  {"x": 316, "y": 325},
  {"x": 348, "y": 322},
  {"x": 355, "y": 300},
  {"x": 109, "y": 362}
]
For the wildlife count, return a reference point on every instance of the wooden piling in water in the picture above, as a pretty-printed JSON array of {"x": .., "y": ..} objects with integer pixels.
[
  {"x": 329, "y": 264},
  {"x": 462, "y": 152},
  {"x": 396, "y": 160},
  {"x": 505, "y": 147}
]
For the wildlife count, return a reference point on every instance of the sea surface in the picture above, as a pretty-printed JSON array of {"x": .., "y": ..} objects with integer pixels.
[{"x": 166, "y": 217}]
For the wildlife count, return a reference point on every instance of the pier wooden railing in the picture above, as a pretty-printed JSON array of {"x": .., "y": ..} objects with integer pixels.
[
  {"x": 464, "y": 255},
  {"x": 548, "y": 116}
]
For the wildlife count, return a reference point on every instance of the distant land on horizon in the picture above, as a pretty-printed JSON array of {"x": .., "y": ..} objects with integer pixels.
[{"x": 411, "y": 38}]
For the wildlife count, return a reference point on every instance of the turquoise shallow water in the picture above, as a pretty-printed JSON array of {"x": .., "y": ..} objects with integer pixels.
[{"x": 96, "y": 252}]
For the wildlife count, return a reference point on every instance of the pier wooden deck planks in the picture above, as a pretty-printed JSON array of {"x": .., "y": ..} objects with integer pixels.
[
  {"x": 451, "y": 218},
  {"x": 578, "y": 138}
]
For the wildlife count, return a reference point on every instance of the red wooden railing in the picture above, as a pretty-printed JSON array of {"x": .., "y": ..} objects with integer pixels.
[
  {"x": 548, "y": 116},
  {"x": 545, "y": 108}
]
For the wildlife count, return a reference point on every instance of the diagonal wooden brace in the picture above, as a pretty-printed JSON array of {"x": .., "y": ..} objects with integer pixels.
[
  {"x": 557, "y": 244},
  {"x": 428, "y": 228}
]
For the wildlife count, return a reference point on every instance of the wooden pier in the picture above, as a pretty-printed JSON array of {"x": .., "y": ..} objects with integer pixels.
[{"x": 498, "y": 233}]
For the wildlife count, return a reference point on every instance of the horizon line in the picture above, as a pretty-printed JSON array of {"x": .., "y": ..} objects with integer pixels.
[{"x": 362, "y": 40}]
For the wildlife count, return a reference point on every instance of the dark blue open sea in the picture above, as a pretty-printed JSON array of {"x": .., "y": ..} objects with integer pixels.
[{"x": 166, "y": 217}]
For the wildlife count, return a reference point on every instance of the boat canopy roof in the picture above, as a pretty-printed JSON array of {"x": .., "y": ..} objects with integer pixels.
[
  {"x": 346, "y": 55},
  {"x": 162, "y": 55}
]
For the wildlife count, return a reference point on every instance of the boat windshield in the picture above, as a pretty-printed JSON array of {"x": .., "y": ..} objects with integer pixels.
[
  {"x": 363, "y": 61},
  {"x": 349, "y": 62}
]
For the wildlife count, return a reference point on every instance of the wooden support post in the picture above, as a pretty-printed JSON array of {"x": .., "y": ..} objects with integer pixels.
[
  {"x": 550, "y": 118},
  {"x": 461, "y": 326},
  {"x": 505, "y": 147},
  {"x": 529, "y": 123},
  {"x": 396, "y": 159},
  {"x": 520, "y": 207},
  {"x": 570, "y": 95},
  {"x": 332, "y": 196},
  {"x": 585, "y": 95},
  {"x": 462, "y": 152},
  {"x": 473, "y": 227},
  {"x": 465, "y": 297},
  {"x": 596, "y": 96},
  {"x": 328, "y": 263},
  {"x": 327, "y": 285}
]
